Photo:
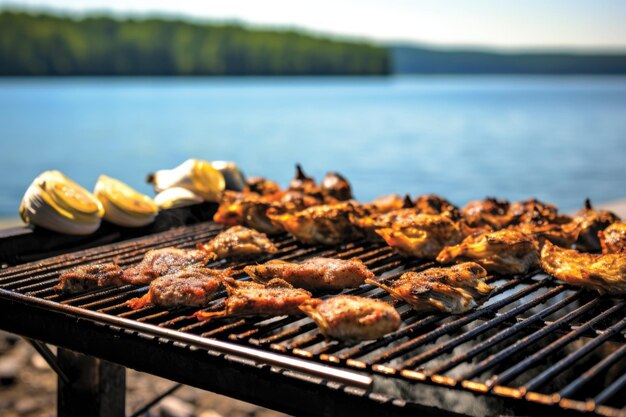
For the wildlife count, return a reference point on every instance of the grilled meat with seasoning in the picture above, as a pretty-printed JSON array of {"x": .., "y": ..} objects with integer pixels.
[
  {"x": 455, "y": 290},
  {"x": 604, "y": 273},
  {"x": 246, "y": 209},
  {"x": 239, "y": 242},
  {"x": 388, "y": 203},
  {"x": 505, "y": 251},
  {"x": 190, "y": 287},
  {"x": 560, "y": 234},
  {"x": 314, "y": 273},
  {"x": 533, "y": 211},
  {"x": 89, "y": 277},
  {"x": 488, "y": 212},
  {"x": 590, "y": 222},
  {"x": 159, "y": 262},
  {"x": 327, "y": 224},
  {"x": 434, "y": 204},
  {"x": 351, "y": 318},
  {"x": 276, "y": 298},
  {"x": 613, "y": 238},
  {"x": 422, "y": 235},
  {"x": 372, "y": 222}
]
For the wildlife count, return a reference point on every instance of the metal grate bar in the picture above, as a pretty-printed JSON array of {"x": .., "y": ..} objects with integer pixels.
[
  {"x": 542, "y": 353},
  {"x": 492, "y": 341},
  {"x": 593, "y": 372},
  {"x": 569, "y": 360}
]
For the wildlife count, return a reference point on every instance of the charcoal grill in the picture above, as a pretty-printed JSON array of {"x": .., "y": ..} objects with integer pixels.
[{"x": 536, "y": 346}]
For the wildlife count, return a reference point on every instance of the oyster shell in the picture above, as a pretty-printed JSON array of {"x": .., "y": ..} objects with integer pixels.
[
  {"x": 57, "y": 203},
  {"x": 124, "y": 205}
]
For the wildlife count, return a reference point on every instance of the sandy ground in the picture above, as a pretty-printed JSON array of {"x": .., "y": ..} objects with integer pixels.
[{"x": 28, "y": 389}]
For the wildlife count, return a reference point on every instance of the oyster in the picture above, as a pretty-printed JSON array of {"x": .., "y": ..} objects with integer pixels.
[
  {"x": 176, "y": 197},
  {"x": 195, "y": 175},
  {"x": 57, "y": 203},
  {"x": 123, "y": 205}
]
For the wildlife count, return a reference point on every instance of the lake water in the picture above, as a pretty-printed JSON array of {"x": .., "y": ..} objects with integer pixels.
[{"x": 555, "y": 138}]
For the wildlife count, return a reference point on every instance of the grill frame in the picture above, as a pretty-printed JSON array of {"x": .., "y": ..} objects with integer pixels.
[{"x": 20, "y": 313}]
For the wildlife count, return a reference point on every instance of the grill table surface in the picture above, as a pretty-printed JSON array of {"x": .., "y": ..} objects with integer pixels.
[{"x": 535, "y": 346}]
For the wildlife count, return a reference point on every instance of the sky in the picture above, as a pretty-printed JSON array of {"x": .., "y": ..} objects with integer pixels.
[{"x": 496, "y": 24}]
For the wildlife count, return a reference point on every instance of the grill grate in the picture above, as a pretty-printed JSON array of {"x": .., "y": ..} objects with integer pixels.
[{"x": 534, "y": 340}]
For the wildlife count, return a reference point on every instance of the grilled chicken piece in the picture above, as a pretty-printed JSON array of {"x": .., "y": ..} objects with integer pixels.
[
  {"x": 292, "y": 201},
  {"x": 351, "y": 318},
  {"x": 159, "y": 262},
  {"x": 453, "y": 290},
  {"x": 239, "y": 242},
  {"x": 89, "y": 277},
  {"x": 434, "y": 204},
  {"x": 246, "y": 209},
  {"x": 389, "y": 203},
  {"x": 613, "y": 238},
  {"x": 262, "y": 186},
  {"x": 370, "y": 223},
  {"x": 335, "y": 185},
  {"x": 327, "y": 224},
  {"x": 560, "y": 234},
  {"x": 535, "y": 212},
  {"x": 505, "y": 251},
  {"x": 190, "y": 287},
  {"x": 603, "y": 273},
  {"x": 590, "y": 222},
  {"x": 313, "y": 274},
  {"x": 488, "y": 212},
  {"x": 422, "y": 235},
  {"x": 276, "y": 298}
]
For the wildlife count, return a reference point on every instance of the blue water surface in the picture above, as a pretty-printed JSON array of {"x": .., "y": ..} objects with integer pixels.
[{"x": 555, "y": 138}]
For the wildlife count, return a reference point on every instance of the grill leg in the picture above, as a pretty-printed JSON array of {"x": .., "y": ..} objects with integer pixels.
[{"x": 96, "y": 387}]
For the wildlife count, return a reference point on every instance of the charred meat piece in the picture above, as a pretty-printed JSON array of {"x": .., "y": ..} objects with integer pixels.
[
  {"x": 535, "y": 212},
  {"x": 327, "y": 224},
  {"x": 488, "y": 212},
  {"x": 159, "y": 262},
  {"x": 560, "y": 234},
  {"x": 351, "y": 318},
  {"x": 603, "y": 273},
  {"x": 613, "y": 238},
  {"x": 89, "y": 277},
  {"x": 190, "y": 287},
  {"x": 434, "y": 204},
  {"x": 590, "y": 222},
  {"x": 505, "y": 251},
  {"x": 239, "y": 242},
  {"x": 336, "y": 186},
  {"x": 276, "y": 298},
  {"x": 261, "y": 186},
  {"x": 314, "y": 274},
  {"x": 453, "y": 290},
  {"x": 246, "y": 209},
  {"x": 422, "y": 235}
]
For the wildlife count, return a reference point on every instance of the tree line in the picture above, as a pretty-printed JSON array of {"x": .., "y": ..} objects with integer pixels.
[{"x": 45, "y": 44}]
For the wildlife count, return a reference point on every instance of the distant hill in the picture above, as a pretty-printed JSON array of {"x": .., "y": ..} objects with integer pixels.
[
  {"x": 53, "y": 45},
  {"x": 420, "y": 60}
]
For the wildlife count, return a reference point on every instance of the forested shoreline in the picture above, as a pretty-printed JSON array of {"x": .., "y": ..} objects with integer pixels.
[{"x": 53, "y": 45}]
